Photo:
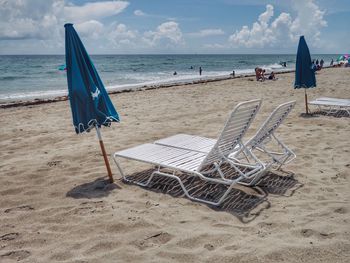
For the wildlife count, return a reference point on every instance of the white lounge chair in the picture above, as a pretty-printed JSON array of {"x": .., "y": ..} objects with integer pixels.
[
  {"x": 261, "y": 141},
  {"x": 331, "y": 105},
  {"x": 170, "y": 160},
  {"x": 333, "y": 99}
]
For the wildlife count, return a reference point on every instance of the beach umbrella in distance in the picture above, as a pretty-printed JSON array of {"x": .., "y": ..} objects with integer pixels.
[
  {"x": 340, "y": 58},
  {"x": 90, "y": 104},
  {"x": 304, "y": 71}
]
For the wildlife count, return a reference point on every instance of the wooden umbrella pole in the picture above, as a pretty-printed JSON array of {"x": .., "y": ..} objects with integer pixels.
[
  {"x": 104, "y": 154},
  {"x": 306, "y": 104}
]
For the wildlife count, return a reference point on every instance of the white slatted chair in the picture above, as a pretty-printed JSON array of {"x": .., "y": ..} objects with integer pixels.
[
  {"x": 331, "y": 105},
  {"x": 260, "y": 141},
  {"x": 170, "y": 160}
]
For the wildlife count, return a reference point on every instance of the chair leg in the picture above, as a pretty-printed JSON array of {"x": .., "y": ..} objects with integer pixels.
[
  {"x": 222, "y": 198},
  {"x": 158, "y": 172}
]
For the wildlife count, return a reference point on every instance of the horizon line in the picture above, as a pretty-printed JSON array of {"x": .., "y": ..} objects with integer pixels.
[{"x": 161, "y": 54}]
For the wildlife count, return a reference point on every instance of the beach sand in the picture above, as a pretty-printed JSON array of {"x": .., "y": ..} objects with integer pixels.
[{"x": 56, "y": 207}]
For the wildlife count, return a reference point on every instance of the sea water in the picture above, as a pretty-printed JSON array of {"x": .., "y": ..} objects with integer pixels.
[{"x": 24, "y": 77}]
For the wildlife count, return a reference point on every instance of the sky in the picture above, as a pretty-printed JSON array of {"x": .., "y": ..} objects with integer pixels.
[{"x": 176, "y": 27}]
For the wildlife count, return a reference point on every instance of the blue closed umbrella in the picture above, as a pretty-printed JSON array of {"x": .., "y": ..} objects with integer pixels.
[
  {"x": 304, "y": 69},
  {"x": 90, "y": 104}
]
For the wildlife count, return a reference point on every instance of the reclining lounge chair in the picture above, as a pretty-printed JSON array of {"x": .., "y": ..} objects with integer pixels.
[
  {"x": 331, "y": 105},
  {"x": 169, "y": 161},
  {"x": 259, "y": 142}
]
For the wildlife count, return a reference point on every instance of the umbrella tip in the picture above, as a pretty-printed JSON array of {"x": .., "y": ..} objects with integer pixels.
[{"x": 68, "y": 24}]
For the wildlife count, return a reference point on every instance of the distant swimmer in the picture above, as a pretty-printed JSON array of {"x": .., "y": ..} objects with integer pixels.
[
  {"x": 62, "y": 67},
  {"x": 191, "y": 67},
  {"x": 283, "y": 64},
  {"x": 175, "y": 73}
]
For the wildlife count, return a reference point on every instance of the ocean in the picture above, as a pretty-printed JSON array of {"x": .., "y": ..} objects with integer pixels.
[{"x": 25, "y": 77}]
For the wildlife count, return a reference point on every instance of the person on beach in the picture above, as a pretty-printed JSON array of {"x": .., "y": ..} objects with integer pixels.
[
  {"x": 313, "y": 66},
  {"x": 272, "y": 76},
  {"x": 233, "y": 73},
  {"x": 316, "y": 62},
  {"x": 200, "y": 71},
  {"x": 321, "y": 63},
  {"x": 259, "y": 74},
  {"x": 332, "y": 61}
]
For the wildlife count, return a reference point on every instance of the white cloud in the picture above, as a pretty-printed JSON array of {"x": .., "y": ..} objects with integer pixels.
[
  {"x": 167, "y": 33},
  {"x": 94, "y": 10},
  {"x": 28, "y": 19},
  {"x": 120, "y": 35},
  {"x": 38, "y": 19},
  {"x": 284, "y": 29},
  {"x": 207, "y": 33},
  {"x": 139, "y": 13},
  {"x": 91, "y": 29},
  {"x": 310, "y": 19}
]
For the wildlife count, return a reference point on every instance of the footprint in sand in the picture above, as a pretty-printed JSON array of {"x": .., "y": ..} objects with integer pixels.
[
  {"x": 19, "y": 208},
  {"x": 210, "y": 247},
  {"x": 16, "y": 255},
  {"x": 340, "y": 210},
  {"x": 53, "y": 163},
  {"x": 310, "y": 232},
  {"x": 307, "y": 232},
  {"x": 9, "y": 236},
  {"x": 156, "y": 239}
]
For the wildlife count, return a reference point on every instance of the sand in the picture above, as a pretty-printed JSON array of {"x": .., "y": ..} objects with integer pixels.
[{"x": 55, "y": 205}]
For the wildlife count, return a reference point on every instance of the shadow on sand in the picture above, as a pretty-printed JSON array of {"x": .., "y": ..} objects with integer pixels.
[
  {"x": 246, "y": 203},
  {"x": 101, "y": 187},
  {"x": 279, "y": 182}
]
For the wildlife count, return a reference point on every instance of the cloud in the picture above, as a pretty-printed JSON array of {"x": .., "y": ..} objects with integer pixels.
[
  {"x": 167, "y": 33},
  {"x": 207, "y": 33},
  {"x": 91, "y": 29},
  {"x": 94, "y": 10},
  {"x": 32, "y": 19},
  {"x": 284, "y": 29},
  {"x": 120, "y": 35},
  {"x": 139, "y": 13},
  {"x": 310, "y": 19},
  {"x": 38, "y": 19}
]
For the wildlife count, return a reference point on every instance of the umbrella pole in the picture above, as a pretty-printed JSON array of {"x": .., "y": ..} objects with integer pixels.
[
  {"x": 306, "y": 104},
  {"x": 104, "y": 154}
]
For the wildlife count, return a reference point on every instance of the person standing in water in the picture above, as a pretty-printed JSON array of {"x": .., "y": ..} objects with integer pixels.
[
  {"x": 321, "y": 63},
  {"x": 200, "y": 71}
]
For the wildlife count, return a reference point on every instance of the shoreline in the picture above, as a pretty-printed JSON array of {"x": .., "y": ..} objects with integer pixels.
[{"x": 37, "y": 101}]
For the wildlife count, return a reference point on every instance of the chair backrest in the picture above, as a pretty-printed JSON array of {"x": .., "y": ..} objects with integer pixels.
[
  {"x": 271, "y": 124},
  {"x": 236, "y": 126}
]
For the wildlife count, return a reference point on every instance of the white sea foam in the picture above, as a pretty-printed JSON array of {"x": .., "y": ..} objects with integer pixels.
[
  {"x": 33, "y": 95},
  {"x": 142, "y": 80}
]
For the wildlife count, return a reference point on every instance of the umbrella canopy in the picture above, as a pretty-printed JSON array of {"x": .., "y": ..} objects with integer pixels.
[
  {"x": 90, "y": 104},
  {"x": 340, "y": 58},
  {"x": 304, "y": 71}
]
